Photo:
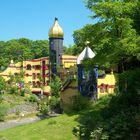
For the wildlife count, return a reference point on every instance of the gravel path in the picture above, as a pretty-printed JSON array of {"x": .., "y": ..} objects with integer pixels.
[
  {"x": 21, "y": 121},
  {"x": 13, "y": 123}
]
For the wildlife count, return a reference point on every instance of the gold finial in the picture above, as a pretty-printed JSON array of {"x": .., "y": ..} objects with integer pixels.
[
  {"x": 56, "y": 30},
  {"x": 87, "y": 42}
]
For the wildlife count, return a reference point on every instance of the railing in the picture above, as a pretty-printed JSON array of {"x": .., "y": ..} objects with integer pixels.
[{"x": 67, "y": 81}]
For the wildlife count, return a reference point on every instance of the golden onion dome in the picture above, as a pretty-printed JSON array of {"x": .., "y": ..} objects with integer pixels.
[{"x": 56, "y": 30}]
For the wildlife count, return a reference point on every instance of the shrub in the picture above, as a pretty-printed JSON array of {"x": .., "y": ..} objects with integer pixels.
[
  {"x": 2, "y": 84},
  {"x": 55, "y": 87},
  {"x": 22, "y": 92},
  {"x": 54, "y": 102},
  {"x": 43, "y": 106},
  {"x": 3, "y": 111},
  {"x": 33, "y": 98},
  {"x": 80, "y": 102},
  {"x": 1, "y": 98},
  {"x": 13, "y": 90}
]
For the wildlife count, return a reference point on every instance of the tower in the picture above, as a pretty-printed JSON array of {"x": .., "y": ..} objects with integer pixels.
[
  {"x": 87, "y": 80},
  {"x": 56, "y": 46}
]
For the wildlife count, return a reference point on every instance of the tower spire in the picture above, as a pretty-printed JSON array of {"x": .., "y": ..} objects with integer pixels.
[
  {"x": 56, "y": 45},
  {"x": 56, "y": 31}
]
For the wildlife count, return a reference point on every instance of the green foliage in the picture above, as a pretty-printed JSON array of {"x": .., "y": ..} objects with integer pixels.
[
  {"x": 43, "y": 106},
  {"x": 54, "y": 103},
  {"x": 1, "y": 98},
  {"x": 55, "y": 86},
  {"x": 40, "y": 48},
  {"x": 70, "y": 50},
  {"x": 22, "y": 92},
  {"x": 113, "y": 36},
  {"x": 3, "y": 111},
  {"x": 32, "y": 98},
  {"x": 13, "y": 90},
  {"x": 98, "y": 134},
  {"x": 22, "y": 49},
  {"x": 79, "y": 103},
  {"x": 115, "y": 117},
  {"x": 129, "y": 81},
  {"x": 2, "y": 84}
]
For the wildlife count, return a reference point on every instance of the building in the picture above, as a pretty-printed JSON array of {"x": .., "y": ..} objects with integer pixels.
[
  {"x": 90, "y": 83},
  {"x": 38, "y": 72}
]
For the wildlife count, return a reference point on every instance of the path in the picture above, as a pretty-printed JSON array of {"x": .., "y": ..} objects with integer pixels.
[
  {"x": 21, "y": 121},
  {"x": 13, "y": 123}
]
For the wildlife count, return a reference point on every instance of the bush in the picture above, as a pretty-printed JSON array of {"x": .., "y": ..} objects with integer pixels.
[
  {"x": 22, "y": 92},
  {"x": 13, "y": 90},
  {"x": 33, "y": 98},
  {"x": 2, "y": 84},
  {"x": 1, "y": 98},
  {"x": 54, "y": 103},
  {"x": 55, "y": 87},
  {"x": 129, "y": 81},
  {"x": 80, "y": 102},
  {"x": 43, "y": 106},
  {"x": 3, "y": 111}
]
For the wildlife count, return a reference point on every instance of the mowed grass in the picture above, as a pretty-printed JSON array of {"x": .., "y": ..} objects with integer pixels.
[{"x": 56, "y": 128}]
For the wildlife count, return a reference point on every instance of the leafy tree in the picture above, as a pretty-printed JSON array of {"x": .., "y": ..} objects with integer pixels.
[
  {"x": 22, "y": 49},
  {"x": 114, "y": 37},
  {"x": 71, "y": 50},
  {"x": 2, "y": 84},
  {"x": 40, "y": 48}
]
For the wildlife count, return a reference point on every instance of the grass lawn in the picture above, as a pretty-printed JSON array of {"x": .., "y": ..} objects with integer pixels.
[{"x": 56, "y": 128}]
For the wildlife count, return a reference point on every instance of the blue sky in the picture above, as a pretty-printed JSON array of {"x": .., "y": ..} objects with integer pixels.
[{"x": 33, "y": 18}]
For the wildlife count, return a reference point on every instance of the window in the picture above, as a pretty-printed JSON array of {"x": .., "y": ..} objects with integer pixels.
[
  {"x": 37, "y": 67},
  {"x": 38, "y": 84},
  {"x": 34, "y": 84},
  {"x": 30, "y": 83},
  {"x": 38, "y": 75},
  {"x": 102, "y": 88},
  {"x": 34, "y": 75},
  {"x": 28, "y": 67}
]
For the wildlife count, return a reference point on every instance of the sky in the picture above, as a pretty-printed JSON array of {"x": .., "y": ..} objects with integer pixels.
[{"x": 32, "y": 19}]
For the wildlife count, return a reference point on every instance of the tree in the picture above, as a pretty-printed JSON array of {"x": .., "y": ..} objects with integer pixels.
[
  {"x": 71, "y": 50},
  {"x": 22, "y": 49},
  {"x": 40, "y": 48},
  {"x": 2, "y": 84},
  {"x": 114, "y": 37}
]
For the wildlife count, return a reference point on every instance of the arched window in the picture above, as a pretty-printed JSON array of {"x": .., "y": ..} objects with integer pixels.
[
  {"x": 102, "y": 88},
  {"x": 34, "y": 84},
  {"x": 38, "y": 84},
  {"x": 28, "y": 67}
]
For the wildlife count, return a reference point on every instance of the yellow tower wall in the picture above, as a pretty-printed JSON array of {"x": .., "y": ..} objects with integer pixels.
[{"x": 106, "y": 85}]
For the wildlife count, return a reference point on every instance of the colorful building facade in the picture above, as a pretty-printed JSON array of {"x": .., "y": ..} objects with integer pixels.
[{"x": 38, "y": 72}]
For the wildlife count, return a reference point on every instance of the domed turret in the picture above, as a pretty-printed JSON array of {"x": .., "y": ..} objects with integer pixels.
[
  {"x": 56, "y": 35},
  {"x": 56, "y": 31}
]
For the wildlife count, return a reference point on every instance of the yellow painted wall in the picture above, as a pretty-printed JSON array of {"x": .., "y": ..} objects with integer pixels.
[
  {"x": 109, "y": 80},
  {"x": 67, "y": 61}
]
